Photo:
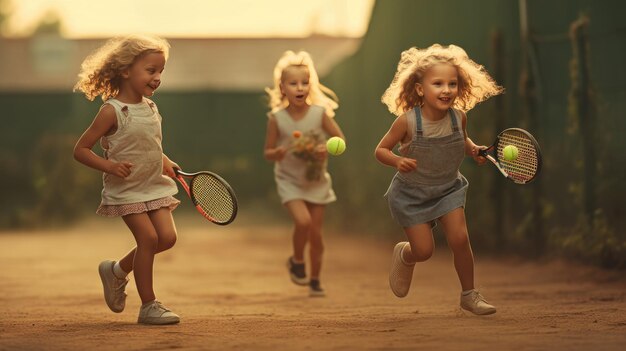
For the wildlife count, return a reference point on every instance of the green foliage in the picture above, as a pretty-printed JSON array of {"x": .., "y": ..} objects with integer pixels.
[
  {"x": 50, "y": 23},
  {"x": 55, "y": 189},
  {"x": 4, "y": 14},
  {"x": 224, "y": 132},
  {"x": 595, "y": 242}
]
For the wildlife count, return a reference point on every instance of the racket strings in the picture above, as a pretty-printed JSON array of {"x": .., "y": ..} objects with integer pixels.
[
  {"x": 526, "y": 165},
  {"x": 213, "y": 197}
]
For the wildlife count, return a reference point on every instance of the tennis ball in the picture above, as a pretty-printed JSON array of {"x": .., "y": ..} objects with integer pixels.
[
  {"x": 335, "y": 146},
  {"x": 510, "y": 152}
]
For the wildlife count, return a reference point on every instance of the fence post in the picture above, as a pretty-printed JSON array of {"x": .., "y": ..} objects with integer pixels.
[
  {"x": 498, "y": 190},
  {"x": 581, "y": 95},
  {"x": 531, "y": 91}
]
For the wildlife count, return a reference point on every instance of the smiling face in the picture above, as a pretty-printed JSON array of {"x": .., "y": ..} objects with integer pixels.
[
  {"x": 143, "y": 77},
  {"x": 295, "y": 85},
  {"x": 439, "y": 87}
]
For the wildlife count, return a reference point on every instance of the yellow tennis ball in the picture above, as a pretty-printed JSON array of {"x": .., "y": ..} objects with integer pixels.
[
  {"x": 510, "y": 152},
  {"x": 335, "y": 146}
]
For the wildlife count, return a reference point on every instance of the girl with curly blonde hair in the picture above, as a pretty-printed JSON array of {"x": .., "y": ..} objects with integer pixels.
[
  {"x": 430, "y": 93},
  {"x": 318, "y": 94},
  {"x": 299, "y": 122},
  {"x": 137, "y": 175}
]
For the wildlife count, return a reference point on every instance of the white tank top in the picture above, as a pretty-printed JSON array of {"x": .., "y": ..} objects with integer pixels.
[
  {"x": 431, "y": 129},
  {"x": 136, "y": 140}
]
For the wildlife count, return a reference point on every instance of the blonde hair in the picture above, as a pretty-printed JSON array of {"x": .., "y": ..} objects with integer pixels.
[
  {"x": 475, "y": 84},
  {"x": 100, "y": 73},
  {"x": 318, "y": 94}
]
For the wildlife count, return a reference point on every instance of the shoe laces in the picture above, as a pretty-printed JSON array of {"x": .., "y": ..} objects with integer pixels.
[
  {"x": 159, "y": 306},
  {"x": 477, "y": 297},
  {"x": 120, "y": 285}
]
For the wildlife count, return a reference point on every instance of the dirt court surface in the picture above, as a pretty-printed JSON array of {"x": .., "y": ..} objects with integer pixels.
[{"x": 232, "y": 291}]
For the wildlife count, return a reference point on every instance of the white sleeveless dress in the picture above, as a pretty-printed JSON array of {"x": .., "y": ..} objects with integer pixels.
[
  {"x": 136, "y": 140},
  {"x": 295, "y": 177}
]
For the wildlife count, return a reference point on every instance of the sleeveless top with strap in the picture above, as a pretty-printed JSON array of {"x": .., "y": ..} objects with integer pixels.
[
  {"x": 137, "y": 140},
  {"x": 298, "y": 179},
  {"x": 436, "y": 186}
]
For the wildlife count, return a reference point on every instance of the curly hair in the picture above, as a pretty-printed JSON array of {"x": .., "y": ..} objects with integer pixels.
[
  {"x": 475, "y": 84},
  {"x": 101, "y": 72},
  {"x": 318, "y": 93}
]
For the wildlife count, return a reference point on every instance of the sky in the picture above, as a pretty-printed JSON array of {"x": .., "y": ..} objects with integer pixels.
[{"x": 193, "y": 18}]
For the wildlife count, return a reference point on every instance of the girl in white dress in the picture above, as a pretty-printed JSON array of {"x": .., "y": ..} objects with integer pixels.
[
  {"x": 300, "y": 121},
  {"x": 137, "y": 174}
]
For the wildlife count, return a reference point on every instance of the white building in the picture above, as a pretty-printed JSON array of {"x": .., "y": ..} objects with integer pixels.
[{"x": 51, "y": 63}]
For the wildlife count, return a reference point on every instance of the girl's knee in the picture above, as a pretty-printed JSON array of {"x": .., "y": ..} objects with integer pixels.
[
  {"x": 459, "y": 240},
  {"x": 303, "y": 225},
  {"x": 421, "y": 254},
  {"x": 149, "y": 242},
  {"x": 167, "y": 242}
]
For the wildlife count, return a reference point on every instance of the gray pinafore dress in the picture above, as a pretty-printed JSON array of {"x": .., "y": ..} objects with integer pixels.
[{"x": 436, "y": 186}]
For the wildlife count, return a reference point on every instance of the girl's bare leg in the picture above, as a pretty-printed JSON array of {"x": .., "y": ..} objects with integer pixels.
[
  {"x": 455, "y": 229},
  {"x": 147, "y": 243},
  {"x": 163, "y": 223},
  {"x": 420, "y": 237},
  {"x": 302, "y": 226},
  {"x": 316, "y": 248}
]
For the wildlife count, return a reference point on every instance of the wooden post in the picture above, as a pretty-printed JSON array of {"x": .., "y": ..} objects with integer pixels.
[
  {"x": 581, "y": 93},
  {"x": 498, "y": 190}
]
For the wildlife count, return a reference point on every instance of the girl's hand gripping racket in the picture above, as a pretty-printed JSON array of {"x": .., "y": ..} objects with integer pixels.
[
  {"x": 525, "y": 163},
  {"x": 211, "y": 195}
]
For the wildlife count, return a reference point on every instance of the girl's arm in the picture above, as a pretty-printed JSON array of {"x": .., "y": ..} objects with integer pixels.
[
  {"x": 104, "y": 122},
  {"x": 471, "y": 149},
  {"x": 384, "y": 153},
  {"x": 271, "y": 152},
  {"x": 331, "y": 127},
  {"x": 168, "y": 166}
]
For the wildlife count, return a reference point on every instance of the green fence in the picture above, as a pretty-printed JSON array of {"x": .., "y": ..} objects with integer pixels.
[{"x": 225, "y": 131}]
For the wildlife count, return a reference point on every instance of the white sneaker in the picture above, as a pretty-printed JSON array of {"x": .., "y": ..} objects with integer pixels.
[
  {"x": 114, "y": 287},
  {"x": 476, "y": 303},
  {"x": 155, "y": 313},
  {"x": 401, "y": 273}
]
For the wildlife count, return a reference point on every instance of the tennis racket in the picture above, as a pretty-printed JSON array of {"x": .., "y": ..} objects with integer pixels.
[
  {"x": 526, "y": 166},
  {"x": 211, "y": 195}
]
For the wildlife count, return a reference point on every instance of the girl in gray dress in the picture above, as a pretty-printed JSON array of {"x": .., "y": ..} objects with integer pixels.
[
  {"x": 298, "y": 124},
  {"x": 430, "y": 93}
]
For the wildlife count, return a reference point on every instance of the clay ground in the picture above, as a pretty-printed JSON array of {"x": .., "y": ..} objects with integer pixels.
[{"x": 230, "y": 286}]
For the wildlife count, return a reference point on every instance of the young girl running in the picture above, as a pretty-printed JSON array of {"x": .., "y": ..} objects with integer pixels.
[
  {"x": 430, "y": 93},
  {"x": 300, "y": 120},
  {"x": 137, "y": 183}
]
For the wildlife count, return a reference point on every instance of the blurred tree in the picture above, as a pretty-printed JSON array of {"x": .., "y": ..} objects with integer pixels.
[
  {"x": 4, "y": 14},
  {"x": 50, "y": 23}
]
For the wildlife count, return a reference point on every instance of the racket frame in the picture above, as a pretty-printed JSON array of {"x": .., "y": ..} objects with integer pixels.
[
  {"x": 189, "y": 189},
  {"x": 496, "y": 160}
]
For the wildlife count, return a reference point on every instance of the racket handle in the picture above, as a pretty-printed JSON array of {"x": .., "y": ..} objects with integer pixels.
[
  {"x": 179, "y": 172},
  {"x": 493, "y": 160},
  {"x": 182, "y": 182}
]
